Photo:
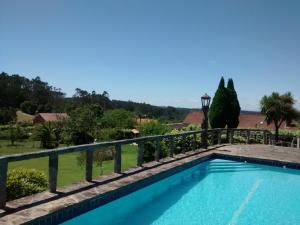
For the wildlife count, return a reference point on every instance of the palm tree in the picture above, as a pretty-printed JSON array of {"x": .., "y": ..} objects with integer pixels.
[
  {"x": 278, "y": 109},
  {"x": 48, "y": 135}
]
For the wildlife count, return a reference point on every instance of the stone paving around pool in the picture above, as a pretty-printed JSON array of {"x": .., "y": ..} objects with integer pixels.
[
  {"x": 265, "y": 152},
  {"x": 30, "y": 208}
]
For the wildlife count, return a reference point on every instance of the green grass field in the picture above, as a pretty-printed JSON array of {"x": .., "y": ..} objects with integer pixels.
[
  {"x": 69, "y": 170},
  {"x": 19, "y": 147}
]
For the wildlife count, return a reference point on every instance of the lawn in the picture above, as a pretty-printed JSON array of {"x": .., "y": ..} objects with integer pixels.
[
  {"x": 19, "y": 147},
  {"x": 69, "y": 170}
]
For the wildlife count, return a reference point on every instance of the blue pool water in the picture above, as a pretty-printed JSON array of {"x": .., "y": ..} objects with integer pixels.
[{"x": 215, "y": 192}]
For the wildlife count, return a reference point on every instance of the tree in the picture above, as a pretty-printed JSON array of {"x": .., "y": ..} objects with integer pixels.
[
  {"x": 48, "y": 135},
  {"x": 233, "y": 105},
  {"x": 14, "y": 133},
  {"x": 218, "y": 110},
  {"x": 118, "y": 118},
  {"x": 154, "y": 128},
  {"x": 29, "y": 107},
  {"x": 7, "y": 115},
  {"x": 15, "y": 89},
  {"x": 278, "y": 109},
  {"x": 83, "y": 122}
]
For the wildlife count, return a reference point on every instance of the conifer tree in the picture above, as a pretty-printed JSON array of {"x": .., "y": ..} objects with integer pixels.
[
  {"x": 233, "y": 106},
  {"x": 218, "y": 110}
]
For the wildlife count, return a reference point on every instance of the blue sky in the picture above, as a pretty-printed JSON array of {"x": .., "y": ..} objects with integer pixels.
[{"x": 163, "y": 52}]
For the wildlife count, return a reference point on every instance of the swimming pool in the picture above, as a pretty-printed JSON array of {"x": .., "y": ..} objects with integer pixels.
[{"x": 213, "y": 192}]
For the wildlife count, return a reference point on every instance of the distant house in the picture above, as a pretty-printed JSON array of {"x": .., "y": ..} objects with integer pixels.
[
  {"x": 49, "y": 117},
  {"x": 248, "y": 119}
]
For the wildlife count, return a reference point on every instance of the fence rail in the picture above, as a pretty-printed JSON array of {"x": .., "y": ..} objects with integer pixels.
[{"x": 209, "y": 137}]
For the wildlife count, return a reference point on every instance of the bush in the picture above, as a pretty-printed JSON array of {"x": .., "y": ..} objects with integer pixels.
[
  {"x": 22, "y": 182},
  {"x": 29, "y": 107},
  {"x": 118, "y": 118},
  {"x": 188, "y": 142},
  {"x": 7, "y": 115},
  {"x": 48, "y": 134},
  {"x": 149, "y": 150},
  {"x": 108, "y": 134},
  {"x": 81, "y": 137},
  {"x": 82, "y": 124},
  {"x": 154, "y": 128}
]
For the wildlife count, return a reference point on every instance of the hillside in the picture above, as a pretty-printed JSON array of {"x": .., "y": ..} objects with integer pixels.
[{"x": 23, "y": 117}]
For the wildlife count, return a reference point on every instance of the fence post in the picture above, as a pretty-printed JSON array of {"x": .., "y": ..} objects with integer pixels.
[
  {"x": 194, "y": 141},
  {"x": 298, "y": 142},
  {"x": 157, "y": 149},
  {"x": 248, "y": 136},
  {"x": 89, "y": 165},
  {"x": 118, "y": 159},
  {"x": 53, "y": 171},
  {"x": 3, "y": 180},
  {"x": 204, "y": 137},
  {"x": 293, "y": 142},
  {"x": 231, "y": 133},
  {"x": 140, "y": 153},
  {"x": 183, "y": 150},
  {"x": 171, "y": 147},
  {"x": 265, "y": 137},
  {"x": 219, "y": 136}
]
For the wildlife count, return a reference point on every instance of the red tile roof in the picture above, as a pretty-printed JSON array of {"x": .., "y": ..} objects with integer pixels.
[
  {"x": 48, "y": 117},
  {"x": 194, "y": 118},
  {"x": 247, "y": 120}
]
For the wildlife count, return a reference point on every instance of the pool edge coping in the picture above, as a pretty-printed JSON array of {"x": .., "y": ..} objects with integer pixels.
[
  {"x": 178, "y": 163},
  {"x": 181, "y": 164}
]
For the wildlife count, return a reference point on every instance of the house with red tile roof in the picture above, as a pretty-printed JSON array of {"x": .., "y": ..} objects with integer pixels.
[
  {"x": 248, "y": 119},
  {"x": 49, "y": 117}
]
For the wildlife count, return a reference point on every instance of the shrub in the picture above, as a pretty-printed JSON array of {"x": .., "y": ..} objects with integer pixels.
[
  {"x": 191, "y": 127},
  {"x": 179, "y": 142},
  {"x": 239, "y": 139},
  {"x": 48, "y": 134},
  {"x": 149, "y": 150},
  {"x": 81, "y": 137},
  {"x": 29, "y": 107},
  {"x": 13, "y": 134},
  {"x": 82, "y": 124},
  {"x": 7, "y": 115},
  {"x": 118, "y": 118},
  {"x": 22, "y": 182},
  {"x": 108, "y": 134},
  {"x": 154, "y": 128}
]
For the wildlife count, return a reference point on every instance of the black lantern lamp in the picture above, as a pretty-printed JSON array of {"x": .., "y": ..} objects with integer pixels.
[{"x": 205, "y": 100}]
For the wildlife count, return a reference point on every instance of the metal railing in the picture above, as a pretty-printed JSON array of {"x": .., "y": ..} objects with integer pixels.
[{"x": 211, "y": 137}]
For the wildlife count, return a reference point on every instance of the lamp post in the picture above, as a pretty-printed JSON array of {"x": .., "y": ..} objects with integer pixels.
[{"x": 205, "y": 100}]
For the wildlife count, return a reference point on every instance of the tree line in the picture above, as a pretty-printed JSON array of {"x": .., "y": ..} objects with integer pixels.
[{"x": 35, "y": 96}]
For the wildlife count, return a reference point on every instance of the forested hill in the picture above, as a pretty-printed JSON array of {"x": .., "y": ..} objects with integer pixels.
[{"x": 34, "y": 95}]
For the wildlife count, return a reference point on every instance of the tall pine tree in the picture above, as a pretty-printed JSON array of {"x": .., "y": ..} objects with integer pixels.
[
  {"x": 233, "y": 105},
  {"x": 218, "y": 110}
]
